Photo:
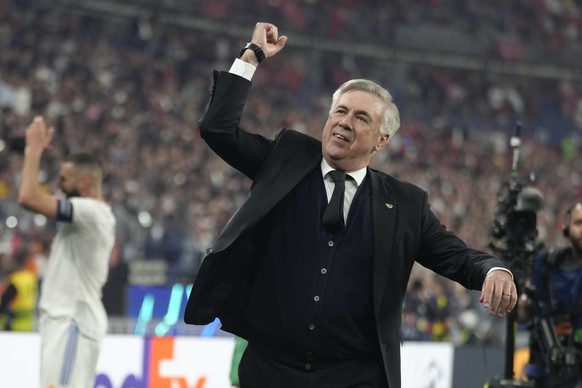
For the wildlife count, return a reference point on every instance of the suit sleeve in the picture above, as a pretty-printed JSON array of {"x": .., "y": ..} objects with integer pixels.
[
  {"x": 219, "y": 126},
  {"x": 446, "y": 254}
]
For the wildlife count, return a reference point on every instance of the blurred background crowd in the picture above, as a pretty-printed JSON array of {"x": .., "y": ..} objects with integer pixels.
[{"x": 129, "y": 80}]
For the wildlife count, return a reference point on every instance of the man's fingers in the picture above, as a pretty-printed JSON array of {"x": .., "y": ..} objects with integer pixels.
[
  {"x": 281, "y": 42},
  {"x": 272, "y": 34},
  {"x": 499, "y": 295},
  {"x": 266, "y": 36}
]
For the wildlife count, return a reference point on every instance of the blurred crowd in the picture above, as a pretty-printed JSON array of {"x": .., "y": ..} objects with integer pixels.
[
  {"x": 509, "y": 28},
  {"x": 131, "y": 89}
]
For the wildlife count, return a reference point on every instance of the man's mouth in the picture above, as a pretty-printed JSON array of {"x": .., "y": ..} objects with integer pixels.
[{"x": 340, "y": 137}]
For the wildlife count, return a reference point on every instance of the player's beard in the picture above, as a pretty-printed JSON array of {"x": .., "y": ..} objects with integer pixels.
[{"x": 72, "y": 193}]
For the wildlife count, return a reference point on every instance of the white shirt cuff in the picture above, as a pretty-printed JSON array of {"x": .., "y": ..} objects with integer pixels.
[
  {"x": 242, "y": 69},
  {"x": 499, "y": 269}
]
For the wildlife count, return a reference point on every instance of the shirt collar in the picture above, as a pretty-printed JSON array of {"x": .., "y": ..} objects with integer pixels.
[{"x": 357, "y": 175}]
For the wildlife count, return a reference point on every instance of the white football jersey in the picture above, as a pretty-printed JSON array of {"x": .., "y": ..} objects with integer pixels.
[{"x": 78, "y": 264}]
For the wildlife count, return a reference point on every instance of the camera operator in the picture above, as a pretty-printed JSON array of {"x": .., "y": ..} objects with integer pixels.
[{"x": 552, "y": 306}]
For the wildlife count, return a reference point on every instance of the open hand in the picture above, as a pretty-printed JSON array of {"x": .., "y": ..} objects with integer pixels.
[{"x": 38, "y": 135}]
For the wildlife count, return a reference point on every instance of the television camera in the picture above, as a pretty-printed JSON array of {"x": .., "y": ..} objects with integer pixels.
[
  {"x": 514, "y": 234},
  {"x": 514, "y": 239}
]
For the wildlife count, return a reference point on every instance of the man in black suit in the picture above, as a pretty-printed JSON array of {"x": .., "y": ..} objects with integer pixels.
[{"x": 318, "y": 294}]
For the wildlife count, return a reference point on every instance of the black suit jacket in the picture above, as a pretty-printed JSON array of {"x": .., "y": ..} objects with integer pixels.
[{"x": 405, "y": 229}]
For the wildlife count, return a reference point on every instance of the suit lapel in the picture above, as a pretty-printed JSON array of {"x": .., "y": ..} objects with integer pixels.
[
  {"x": 384, "y": 220},
  {"x": 269, "y": 187}
]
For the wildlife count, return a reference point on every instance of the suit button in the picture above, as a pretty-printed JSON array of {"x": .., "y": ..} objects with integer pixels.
[
  {"x": 307, "y": 366},
  {"x": 311, "y": 326},
  {"x": 208, "y": 251}
]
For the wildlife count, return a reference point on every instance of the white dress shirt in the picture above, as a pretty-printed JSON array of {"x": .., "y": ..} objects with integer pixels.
[{"x": 353, "y": 180}]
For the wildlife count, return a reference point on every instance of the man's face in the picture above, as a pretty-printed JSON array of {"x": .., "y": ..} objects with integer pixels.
[
  {"x": 352, "y": 131},
  {"x": 68, "y": 180},
  {"x": 575, "y": 227}
]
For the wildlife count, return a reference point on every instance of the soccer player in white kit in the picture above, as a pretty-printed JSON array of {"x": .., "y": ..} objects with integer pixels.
[{"x": 73, "y": 320}]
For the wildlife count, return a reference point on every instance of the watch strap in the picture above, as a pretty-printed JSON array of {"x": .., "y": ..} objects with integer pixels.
[{"x": 256, "y": 49}]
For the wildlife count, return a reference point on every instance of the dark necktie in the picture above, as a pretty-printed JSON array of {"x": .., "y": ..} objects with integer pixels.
[{"x": 333, "y": 218}]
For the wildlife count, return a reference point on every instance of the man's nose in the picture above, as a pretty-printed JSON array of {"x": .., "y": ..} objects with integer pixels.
[{"x": 345, "y": 123}]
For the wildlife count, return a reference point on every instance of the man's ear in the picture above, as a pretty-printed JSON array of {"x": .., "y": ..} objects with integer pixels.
[
  {"x": 84, "y": 182},
  {"x": 382, "y": 142}
]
